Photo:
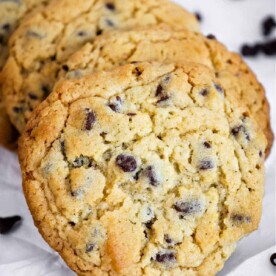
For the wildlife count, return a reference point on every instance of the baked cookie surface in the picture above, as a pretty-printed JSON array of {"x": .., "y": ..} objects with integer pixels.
[
  {"x": 11, "y": 12},
  {"x": 159, "y": 44},
  {"x": 144, "y": 170},
  {"x": 46, "y": 39}
]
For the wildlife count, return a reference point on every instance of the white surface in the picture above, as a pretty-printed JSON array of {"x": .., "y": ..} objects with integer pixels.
[{"x": 24, "y": 253}]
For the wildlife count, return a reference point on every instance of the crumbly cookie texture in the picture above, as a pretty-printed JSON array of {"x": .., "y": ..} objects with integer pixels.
[
  {"x": 155, "y": 44},
  {"x": 144, "y": 170},
  {"x": 45, "y": 40},
  {"x": 11, "y": 11}
]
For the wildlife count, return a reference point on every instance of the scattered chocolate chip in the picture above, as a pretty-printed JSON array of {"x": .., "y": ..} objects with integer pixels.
[
  {"x": 99, "y": 32},
  {"x": 198, "y": 16},
  {"x": 116, "y": 104},
  {"x": 90, "y": 119},
  {"x": 211, "y": 36},
  {"x": 150, "y": 173},
  {"x": 269, "y": 47},
  {"x": 168, "y": 239},
  {"x": 189, "y": 207},
  {"x": 260, "y": 153},
  {"x": 146, "y": 234},
  {"x": 240, "y": 219},
  {"x": 90, "y": 247},
  {"x": 150, "y": 223},
  {"x": 32, "y": 96},
  {"x": 65, "y": 67},
  {"x": 268, "y": 25},
  {"x": 46, "y": 90},
  {"x": 72, "y": 223},
  {"x": 82, "y": 33},
  {"x": 164, "y": 257},
  {"x": 17, "y": 109},
  {"x": 204, "y": 92},
  {"x": 53, "y": 58},
  {"x": 110, "y": 6},
  {"x": 237, "y": 130},
  {"x": 131, "y": 114},
  {"x": 250, "y": 51},
  {"x": 62, "y": 148},
  {"x": 160, "y": 93},
  {"x": 206, "y": 165},
  {"x": 273, "y": 259},
  {"x": 6, "y": 27},
  {"x": 83, "y": 161},
  {"x": 126, "y": 162},
  {"x": 137, "y": 72},
  {"x": 207, "y": 145},
  {"x": 219, "y": 88},
  {"x": 2, "y": 39},
  {"x": 6, "y": 224}
]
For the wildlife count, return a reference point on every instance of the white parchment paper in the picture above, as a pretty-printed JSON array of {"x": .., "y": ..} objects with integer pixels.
[{"x": 24, "y": 253}]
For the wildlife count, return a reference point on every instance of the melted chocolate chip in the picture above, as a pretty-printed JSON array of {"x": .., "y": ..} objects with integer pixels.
[
  {"x": 164, "y": 257},
  {"x": 219, "y": 88},
  {"x": 204, "y": 92},
  {"x": 206, "y": 164},
  {"x": 189, "y": 207},
  {"x": 273, "y": 259},
  {"x": 110, "y": 6},
  {"x": 268, "y": 25},
  {"x": 126, "y": 162},
  {"x": 198, "y": 16},
  {"x": 90, "y": 120},
  {"x": 150, "y": 173},
  {"x": 65, "y": 67},
  {"x": 99, "y": 32},
  {"x": 207, "y": 145},
  {"x": 248, "y": 50},
  {"x": 240, "y": 219},
  {"x": 82, "y": 33},
  {"x": 90, "y": 247},
  {"x": 211, "y": 36},
  {"x": 6, "y": 224}
]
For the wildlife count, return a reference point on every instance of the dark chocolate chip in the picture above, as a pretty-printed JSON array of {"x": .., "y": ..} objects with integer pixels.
[
  {"x": 46, "y": 90},
  {"x": 250, "y": 51},
  {"x": 160, "y": 93},
  {"x": 273, "y": 259},
  {"x": 211, "y": 36},
  {"x": 6, "y": 224},
  {"x": 207, "y": 145},
  {"x": 32, "y": 96},
  {"x": 146, "y": 234},
  {"x": 62, "y": 148},
  {"x": 90, "y": 119},
  {"x": 260, "y": 153},
  {"x": 198, "y": 16},
  {"x": 82, "y": 33},
  {"x": 269, "y": 47},
  {"x": 65, "y": 67},
  {"x": 168, "y": 239},
  {"x": 126, "y": 162},
  {"x": 137, "y": 72},
  {"x": 237, "y": 130},
  {"x": 90, "y": 247},
  {"x": 150, "y": 173},
  {"x": 116, "y": 105},
  {"x": 268, "y": 25},
  {"x": 6, "y": 27},
  {"x": 164, "y": 257},
  {"x": 204, "y": 92},
  {"x": 219, "y": 88},
  {"x": 72, "y": 223},
  {"x": 110, "y": 6},
  {"x": 206, "y": 164},
  {"x": 17, "y": 109},
  {"x": 189, "y": 207},
  {"x": 2, "y": 39},
  {"x": 240, "y": 219},
  {"x": 99, "y": 32},
  {"x": 150, "y": 223},
  {"x": 131, "y": 114},
  {"x": 53, "y": 58}
]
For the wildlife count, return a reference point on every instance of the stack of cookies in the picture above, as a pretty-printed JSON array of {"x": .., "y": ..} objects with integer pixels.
[{"x": 142, "y": 141}]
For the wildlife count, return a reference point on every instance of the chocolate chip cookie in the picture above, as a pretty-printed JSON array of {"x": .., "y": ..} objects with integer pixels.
[
  {"x": 44, "y": 41},
  {"x": 147, "y": 169},
  {"x": 155, "y": 44}
]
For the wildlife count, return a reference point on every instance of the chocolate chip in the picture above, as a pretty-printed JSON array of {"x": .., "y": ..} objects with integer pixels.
[
  {"x": 238, "y": 129},
  {"x": 65, "y": 67},
  {"x": 17, "y": 109},
  {"x": 240, "y": 219},
  {"x": 189, "y": 207},
  {"x": 6, "y": 27},
  {"x": 164, "y": 257},
  {"x": 248, "y": 50},
  {"x": 32, "y": 96},
  {"x": 99, "y": 32},
  {"x": 46, "y": 90},
  {"x": 72, "y": 223},
  {"x": 82, "y": 33},
  {"x": 137, "y": 72},
  {"x": 126, "y": 162},
  {"x": 204, "y": 92},
  {"x": 90, "y": 119},
  {"x": 90, "y": 247},
  {"x": 110, "y": 6},
  {"x": 116, "y": 104},
  {"x": 6, "y": 224},
  {"x": 149, "y": 223},
  {"x": 131, "y": 114},
  {"x": 211, "y": 36},
  {"x": 53, "y": 58},
  {"x": 160, "y": 93},
  {"x": 219, "y": 88},
  {"x": 269, "y": 47},
  {"x": 62, "y": 148},
  {"x": 2, "y": 39},
  {"x": 198, "y": 16},
  {"x": 83, "y": 161},
  {"x": 150, "y": 173},
  {"x": 168, "y": 239},
  {"x": 207, "y": 145},
  {"x": 206, "y": 164},
  {"x": 260, "y": 153},
  {"x": 273, "y": 259},
  {"x": 268, "y": 25}
]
